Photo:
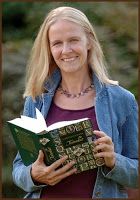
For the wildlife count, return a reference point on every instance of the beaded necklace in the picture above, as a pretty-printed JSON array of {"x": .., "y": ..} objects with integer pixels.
[{"x": 82, "y": 93}]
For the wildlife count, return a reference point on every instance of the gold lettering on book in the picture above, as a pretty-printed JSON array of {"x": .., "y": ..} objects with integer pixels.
[
  {"x": 69, "y": 150},
  {"x": 86, "y": 148},
  {"x": 57, "y": 141},
  {"x": 89, "y": 156},
  {"x": 70, "y": 128},
  {"x": 87, "y": 151},
  {"x": 71, "y": 157},
  {"x": 62, "y": 131},
  {"x": 74, "y": 128},
  {"x": 86, "y": 124},
  {"x": 78, "y": 127},
  {"x": 92, "y": 164},
  {"x": 49, "y": 153},
  {"x": 60, "y": 148},
  {"x": 89, "y": 132},
  {"x": 81, "y": 159},
  {"x": 78, "y": 151},
  {"x": 84, "y": 166},
  {"x": 85, "y": 145},
  {"x": 76, "y": 146},
  {"x": 72, "y": 142}
]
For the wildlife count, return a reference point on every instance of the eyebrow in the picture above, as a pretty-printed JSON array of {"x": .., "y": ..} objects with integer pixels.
[
  {"x": 73, "y": 37},
  {"x": 55, "y": 41}
]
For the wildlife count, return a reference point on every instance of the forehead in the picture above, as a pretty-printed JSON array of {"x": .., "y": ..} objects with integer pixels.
[{"x": 65, "y": 27}]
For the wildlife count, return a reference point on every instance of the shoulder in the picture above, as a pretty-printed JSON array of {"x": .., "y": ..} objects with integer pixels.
[
  {"x": 121, "y": 96},
  {"x": 116, "y": 92},
  {"x": 119, "y": 92},
  {"x": 117, "y": 88},
  {"x": 30, "y": 105}
]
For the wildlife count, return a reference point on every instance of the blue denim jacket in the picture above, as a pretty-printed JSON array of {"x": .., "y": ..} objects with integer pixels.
[{"x": 117, "y": 115}]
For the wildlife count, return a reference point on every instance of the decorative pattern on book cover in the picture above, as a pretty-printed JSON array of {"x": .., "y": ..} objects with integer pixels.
[{"x": 75, "y": 140}]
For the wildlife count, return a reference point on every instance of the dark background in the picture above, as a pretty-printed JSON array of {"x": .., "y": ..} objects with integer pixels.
[{"x": 116, "y": 25}]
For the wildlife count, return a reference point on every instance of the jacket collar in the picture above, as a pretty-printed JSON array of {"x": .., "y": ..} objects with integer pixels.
[
  {"x": 99, "y": 87},
  {"x": 53, "y": 81}
]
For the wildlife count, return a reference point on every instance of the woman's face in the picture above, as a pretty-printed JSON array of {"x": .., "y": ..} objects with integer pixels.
[{"x": 69, "y": 45}]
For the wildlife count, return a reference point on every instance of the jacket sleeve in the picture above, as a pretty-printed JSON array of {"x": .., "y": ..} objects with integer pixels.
[
  {"x": 125, "y": 171},
  {"x": 21, "y": 173},
  {"x": 22, "y": 176}
]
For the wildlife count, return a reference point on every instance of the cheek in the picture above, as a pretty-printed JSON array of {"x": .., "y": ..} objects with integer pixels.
[
  {"x": 82, "y": 48},
  {"x": 84, "y": 52},
  {"x": 55, "y": 53}
]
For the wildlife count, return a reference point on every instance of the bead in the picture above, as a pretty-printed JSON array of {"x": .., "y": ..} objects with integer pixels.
[{"x": 82, "y": 93}]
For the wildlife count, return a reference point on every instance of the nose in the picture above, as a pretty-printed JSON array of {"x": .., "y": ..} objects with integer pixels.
[{"x": 66, "y": 48}]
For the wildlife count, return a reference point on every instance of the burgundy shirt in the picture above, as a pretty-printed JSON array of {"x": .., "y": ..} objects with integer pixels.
[{"x": 77, "y": 185}]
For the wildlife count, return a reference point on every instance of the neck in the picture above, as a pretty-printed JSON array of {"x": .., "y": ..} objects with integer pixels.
[
  {"x": 75, "y": 83},
  {"x": 78, "y": 95}
]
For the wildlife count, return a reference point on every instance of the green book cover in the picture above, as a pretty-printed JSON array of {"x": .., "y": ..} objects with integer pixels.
[{"x": 72, "y": 138}]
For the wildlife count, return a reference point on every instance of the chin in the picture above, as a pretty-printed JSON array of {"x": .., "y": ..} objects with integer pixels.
[{"x": 71, "y": 70}]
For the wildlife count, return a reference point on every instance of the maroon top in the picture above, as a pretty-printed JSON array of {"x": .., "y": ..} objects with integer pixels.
[{"x": 77, "y": 185}]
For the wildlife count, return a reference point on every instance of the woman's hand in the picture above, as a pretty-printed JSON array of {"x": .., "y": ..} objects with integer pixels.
[
  {"x": 104, "y": 147},
  {"x": 50, "y": 175}
]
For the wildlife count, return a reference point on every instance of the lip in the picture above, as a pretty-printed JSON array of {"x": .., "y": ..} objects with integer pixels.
[{"x": 69, "y": 59}]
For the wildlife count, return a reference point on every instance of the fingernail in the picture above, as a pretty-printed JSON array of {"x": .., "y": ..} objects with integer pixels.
[
  {"x": 65, "y": 157},
  {"x": 73, "y": 162},
  {"x": 94, "y": 131},
  {"x": 95, "y": 142},
  {"x": 75, "y": 170}
]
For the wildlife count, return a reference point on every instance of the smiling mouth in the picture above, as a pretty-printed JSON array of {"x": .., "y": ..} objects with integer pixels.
[{"x": 69, "y": 59}]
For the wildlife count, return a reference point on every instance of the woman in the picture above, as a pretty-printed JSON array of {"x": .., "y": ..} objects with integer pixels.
[{"x": 67, "y": 80}]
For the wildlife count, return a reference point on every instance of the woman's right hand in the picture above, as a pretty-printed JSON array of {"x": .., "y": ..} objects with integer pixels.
[{"x": 50, "y": 175}]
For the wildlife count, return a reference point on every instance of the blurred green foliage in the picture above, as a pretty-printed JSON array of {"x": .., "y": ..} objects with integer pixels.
[{"x": 116, "y": 25}]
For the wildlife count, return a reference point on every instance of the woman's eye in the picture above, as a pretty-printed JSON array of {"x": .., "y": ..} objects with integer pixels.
[
  {"x": 74, "y": 40},
  {"x": 56, "y": 43}
]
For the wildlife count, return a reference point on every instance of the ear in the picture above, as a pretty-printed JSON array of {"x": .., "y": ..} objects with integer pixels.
[{"x": 88, "y": 44}]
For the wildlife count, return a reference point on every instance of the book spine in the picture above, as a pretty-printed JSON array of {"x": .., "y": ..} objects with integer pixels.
[{"x": 47, "y": 142}]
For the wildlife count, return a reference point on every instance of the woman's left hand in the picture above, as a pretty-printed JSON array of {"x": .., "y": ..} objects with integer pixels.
[{"x": 104, "y": 147}]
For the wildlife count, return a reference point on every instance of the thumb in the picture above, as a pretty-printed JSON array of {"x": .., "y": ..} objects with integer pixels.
[{"x": 40, "y": 156}]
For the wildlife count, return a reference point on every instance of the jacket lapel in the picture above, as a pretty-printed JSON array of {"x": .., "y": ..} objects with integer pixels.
[{"x": 102, "y": 108}]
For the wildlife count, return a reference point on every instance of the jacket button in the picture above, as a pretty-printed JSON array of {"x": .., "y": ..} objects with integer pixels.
[{"x": 98, "y": 194}]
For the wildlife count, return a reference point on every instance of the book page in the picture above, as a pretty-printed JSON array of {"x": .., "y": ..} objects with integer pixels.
[
  {"x": 39, "y": 120},
  {"x": 35, "y": 125},
  {"x": 64, "y": 123},
  {"x": 38, "y": 124}
]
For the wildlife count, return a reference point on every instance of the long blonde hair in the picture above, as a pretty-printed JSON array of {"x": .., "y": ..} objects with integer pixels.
[{"x": 41, "y": 63}]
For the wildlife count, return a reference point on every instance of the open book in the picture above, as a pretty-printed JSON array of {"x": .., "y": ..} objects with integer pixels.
[{"x": 72, "y": 138}]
